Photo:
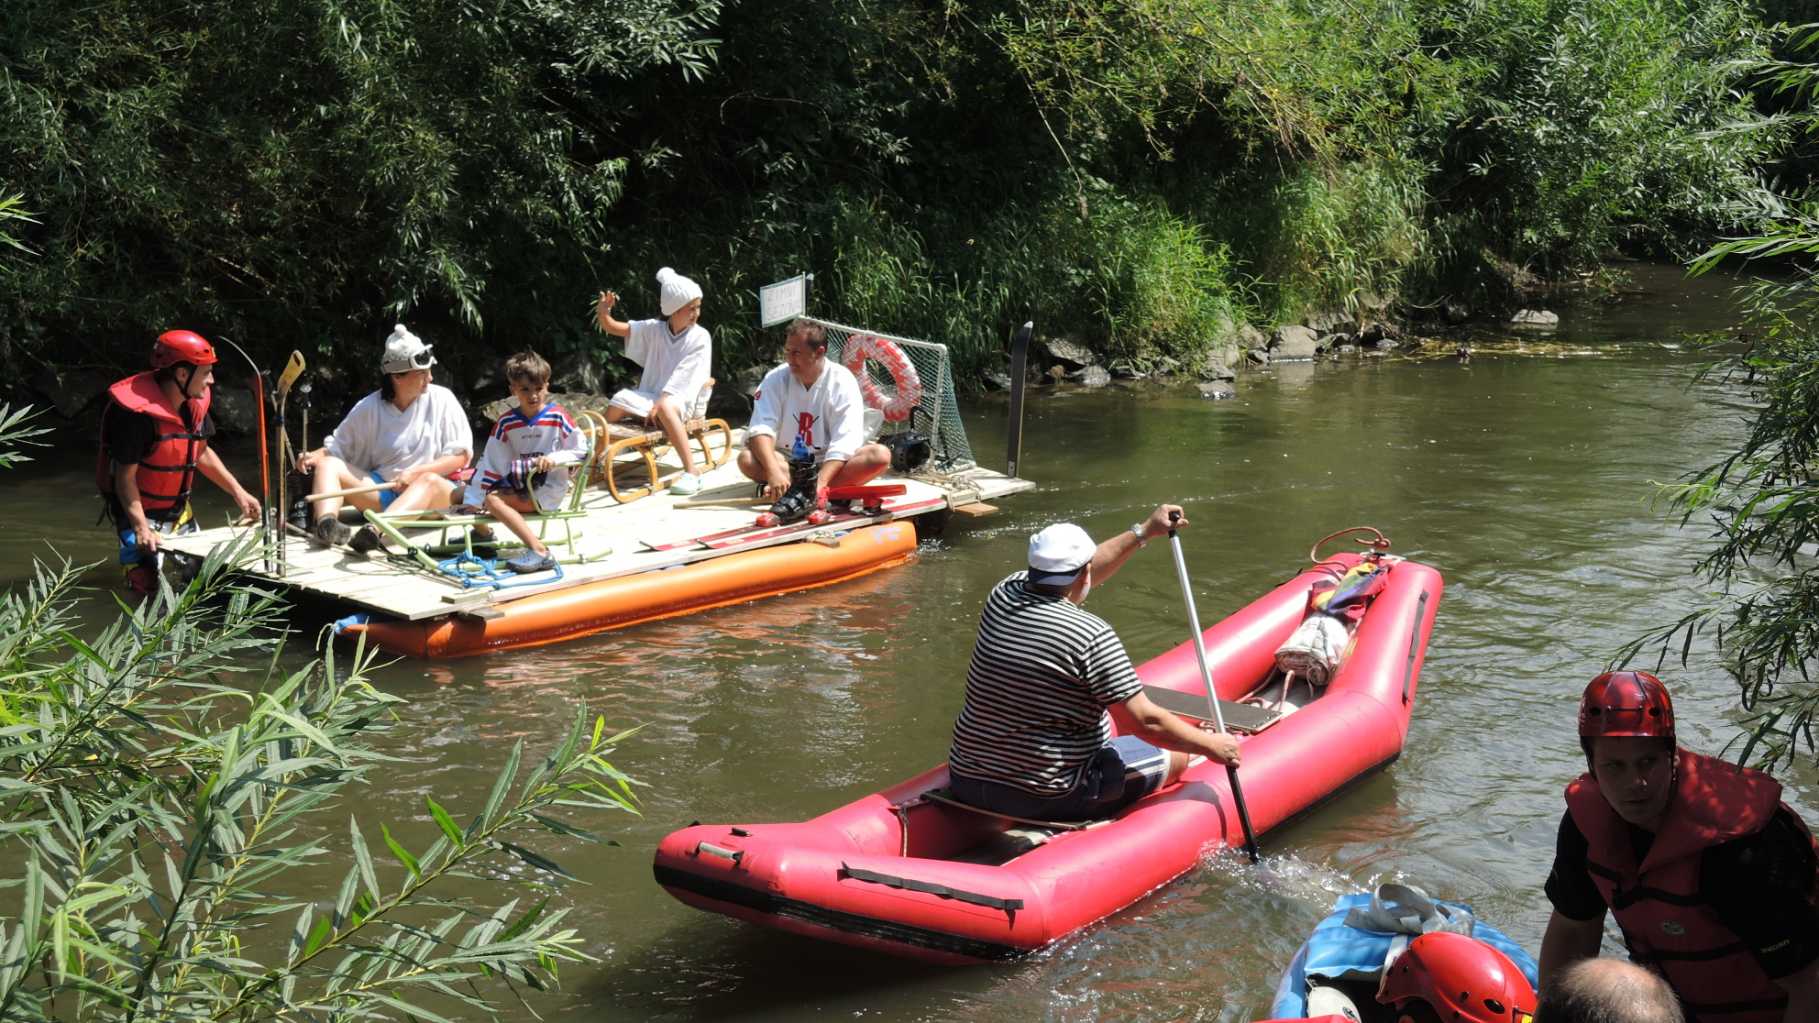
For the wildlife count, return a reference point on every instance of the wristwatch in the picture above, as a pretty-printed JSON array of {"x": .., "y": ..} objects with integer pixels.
[{"x": 1137, "y": 531}]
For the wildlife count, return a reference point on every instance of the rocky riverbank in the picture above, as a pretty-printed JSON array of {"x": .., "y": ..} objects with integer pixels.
[{"x": 1060, "y": 361}]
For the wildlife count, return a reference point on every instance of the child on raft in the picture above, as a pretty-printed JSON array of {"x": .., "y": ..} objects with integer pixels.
[
  {"x": 525, "y": 466},
  {"x": 675, "y": 352}
]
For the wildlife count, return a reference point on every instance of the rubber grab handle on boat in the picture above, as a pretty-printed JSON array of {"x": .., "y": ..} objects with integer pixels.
[{"x": 714, "y": 850}]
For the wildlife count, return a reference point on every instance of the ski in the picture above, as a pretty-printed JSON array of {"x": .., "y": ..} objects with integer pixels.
[{"x": 733, "y": 538}]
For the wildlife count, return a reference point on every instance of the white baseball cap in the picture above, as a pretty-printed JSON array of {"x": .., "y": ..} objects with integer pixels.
[
  {"x": 1058, "y": 553},
  {"x": 405, "y": 351}
]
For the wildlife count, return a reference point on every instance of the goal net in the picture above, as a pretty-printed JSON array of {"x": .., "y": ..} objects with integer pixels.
[{"x": 937, "y": 413}]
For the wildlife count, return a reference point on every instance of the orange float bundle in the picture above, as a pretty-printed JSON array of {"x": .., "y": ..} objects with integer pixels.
[{"x": 903, "y": 374}]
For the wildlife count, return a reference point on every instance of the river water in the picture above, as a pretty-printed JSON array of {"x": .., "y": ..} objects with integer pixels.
[{"x": 1526, "y": 475}]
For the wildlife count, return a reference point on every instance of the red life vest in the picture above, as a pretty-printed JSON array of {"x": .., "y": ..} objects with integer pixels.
[
  {"x": 1667, "y": 922},
  {"x": 169, "y": 468}
]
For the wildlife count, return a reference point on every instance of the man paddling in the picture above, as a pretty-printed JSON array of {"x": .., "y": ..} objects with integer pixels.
[
  {"x": 1033, "y": 738},
  {"x": 1710, "y": 876}
]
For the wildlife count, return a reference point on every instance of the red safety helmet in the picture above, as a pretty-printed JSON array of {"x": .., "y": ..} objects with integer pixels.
[
  {"x": 1460, "y": 978},
  {"x": 175, "y": 346},
  {"x": 1626, "y": 703}
]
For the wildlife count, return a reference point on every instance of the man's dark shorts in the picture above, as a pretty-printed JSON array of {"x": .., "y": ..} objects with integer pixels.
[{"x": 1122, "y": 772}]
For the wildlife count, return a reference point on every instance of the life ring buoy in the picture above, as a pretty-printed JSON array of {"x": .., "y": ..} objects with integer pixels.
[{"x": 909, "y": 386}]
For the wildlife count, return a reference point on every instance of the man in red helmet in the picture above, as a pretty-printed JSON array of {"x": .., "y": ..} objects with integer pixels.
[
  {"x": 154, "y": 440},
  {"x": 1710, "y": 876}
]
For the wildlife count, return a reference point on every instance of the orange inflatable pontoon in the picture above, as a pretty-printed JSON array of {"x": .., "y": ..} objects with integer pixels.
[{"x": 553, "y": 616}]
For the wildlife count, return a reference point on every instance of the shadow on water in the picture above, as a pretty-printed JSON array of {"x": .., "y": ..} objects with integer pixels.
[{"x": 735, "y": 972}]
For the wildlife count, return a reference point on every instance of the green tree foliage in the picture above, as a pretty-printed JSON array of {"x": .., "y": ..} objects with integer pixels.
[
  {"x": 1139, "y": 173},
  {"x": 12, "y": 208},
  {"x": 1586, "y": 121},
  {"x": 169, "y": 794},
  {"x": 310, "y": 170},
  {"x": 1762, "y": 500}
]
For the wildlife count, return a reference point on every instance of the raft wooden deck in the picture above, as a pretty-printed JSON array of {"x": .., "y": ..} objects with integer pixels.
[{"x": 650, "y": 534}]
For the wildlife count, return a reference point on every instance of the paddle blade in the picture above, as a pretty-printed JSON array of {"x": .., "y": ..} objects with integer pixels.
[{"x": 293, "y": 368}]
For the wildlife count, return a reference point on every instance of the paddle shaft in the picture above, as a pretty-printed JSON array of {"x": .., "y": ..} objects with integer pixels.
[
  {"x": 1212, "y": 698},
  {"x": 367, "y": 489}
]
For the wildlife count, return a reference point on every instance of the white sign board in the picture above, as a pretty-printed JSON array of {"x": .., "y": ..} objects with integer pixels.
[{"x": 784, "y": 300}]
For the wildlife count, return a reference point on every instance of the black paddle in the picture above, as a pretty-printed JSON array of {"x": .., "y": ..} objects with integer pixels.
[
  {"x": 1206, "y": 677},
  {"x": 1020, "y": 346}
]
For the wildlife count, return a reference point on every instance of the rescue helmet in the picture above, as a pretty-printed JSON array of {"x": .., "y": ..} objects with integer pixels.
[
  {"x": 179, "y": 346},
  {"x": 1459, "y": 978},
  {"x": 1626, "y": 703}
]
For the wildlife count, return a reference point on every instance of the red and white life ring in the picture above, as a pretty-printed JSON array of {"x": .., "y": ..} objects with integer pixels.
[{"x": 909, "y": 386}]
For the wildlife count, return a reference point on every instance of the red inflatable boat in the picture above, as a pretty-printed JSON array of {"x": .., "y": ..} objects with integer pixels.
[{"x": 908, "y": 872}]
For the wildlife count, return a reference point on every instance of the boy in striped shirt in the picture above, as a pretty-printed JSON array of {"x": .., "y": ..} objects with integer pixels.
[{"x": 525, "y": 467}]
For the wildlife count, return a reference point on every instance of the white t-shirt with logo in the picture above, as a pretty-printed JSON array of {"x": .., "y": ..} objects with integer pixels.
[{"x": 829, "y": 417}]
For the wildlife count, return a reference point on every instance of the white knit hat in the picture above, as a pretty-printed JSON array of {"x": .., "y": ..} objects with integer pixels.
[
  {"x": 405, "y": 351},
  {"x": 678, "y": 291},
  {"x": 1058, "y": 553}
]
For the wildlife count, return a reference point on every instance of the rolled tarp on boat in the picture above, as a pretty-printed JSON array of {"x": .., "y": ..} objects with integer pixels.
[
  {"x": 905, "y": 872},
  {"x": 554, "y": 616},
  {"x": 1347, "y": 951}
]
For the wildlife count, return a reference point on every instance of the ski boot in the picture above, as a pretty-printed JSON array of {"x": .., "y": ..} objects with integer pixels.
[{"x": 800, "y": 501}]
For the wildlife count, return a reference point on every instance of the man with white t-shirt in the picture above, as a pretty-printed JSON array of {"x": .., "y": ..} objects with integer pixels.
[
  {"x": 410, "y": 432},
  {"x": 809, "y": 410}
]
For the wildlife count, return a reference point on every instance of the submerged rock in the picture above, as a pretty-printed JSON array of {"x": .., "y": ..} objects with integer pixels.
[
  {"x": 1541, "y": 318},
  {"x": 1217, "y": 392},
  {"x": 1091, "y": 376}
]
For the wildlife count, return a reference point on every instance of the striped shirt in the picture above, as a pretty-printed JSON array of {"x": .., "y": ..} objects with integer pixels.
[
  {"x": 517, "y": 437},
  {"x": 1042, "y": 674}
]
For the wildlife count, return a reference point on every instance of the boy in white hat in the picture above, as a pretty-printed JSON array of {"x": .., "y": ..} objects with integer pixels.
[
  {"x": 674, "y": 352},
  {"x": 410, "y": 433}
]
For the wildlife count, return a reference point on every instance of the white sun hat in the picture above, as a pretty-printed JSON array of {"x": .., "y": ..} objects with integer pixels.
[{"x": 1058, "y": 553}]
